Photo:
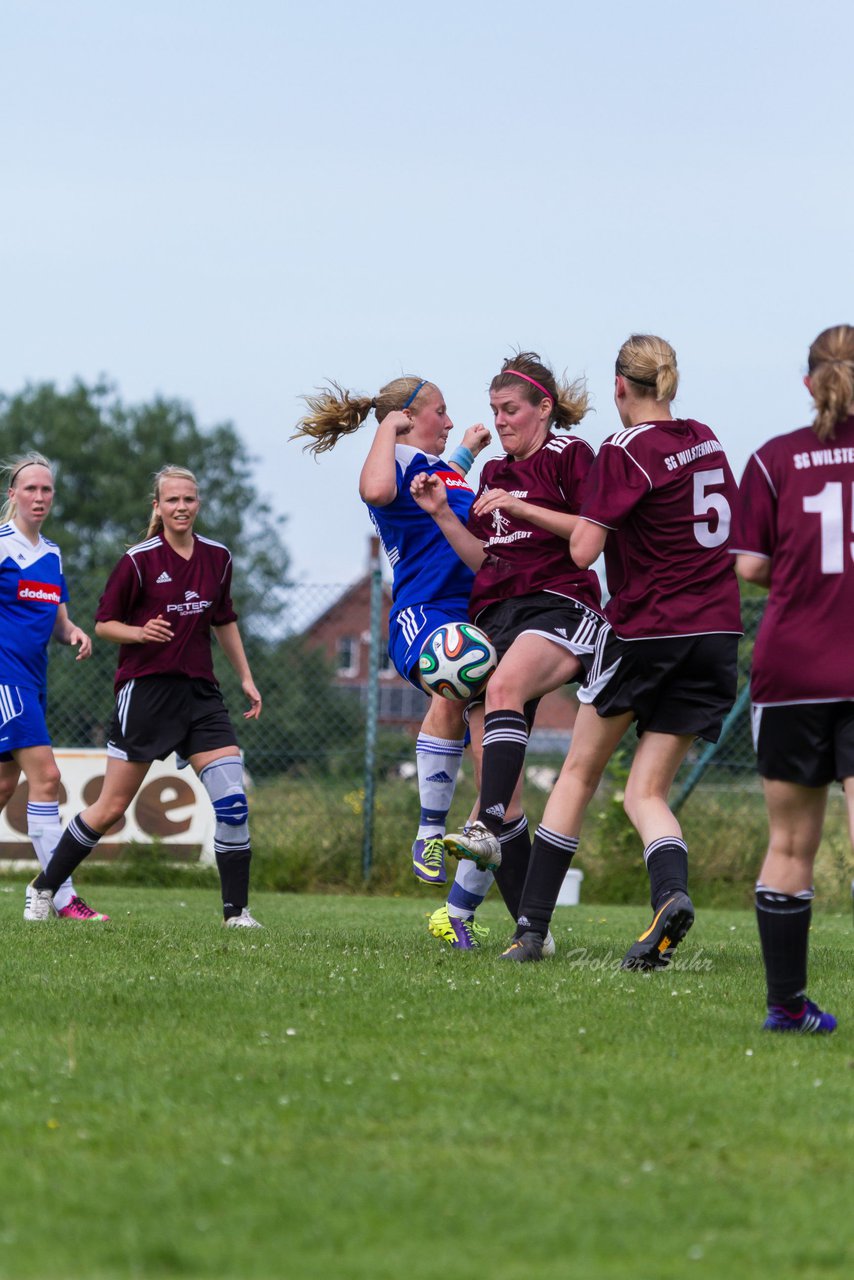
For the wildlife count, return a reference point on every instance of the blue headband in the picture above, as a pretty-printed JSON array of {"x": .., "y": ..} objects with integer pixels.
[{"x": 408, "y": 402}]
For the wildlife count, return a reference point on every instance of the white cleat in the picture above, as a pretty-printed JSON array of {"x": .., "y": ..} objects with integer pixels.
[
  {"x": 38, "y": 903},
  {"x": 243, "y": 921},
  {"x": 477, "y": 843},
  {"x": 548, "y": 945}
]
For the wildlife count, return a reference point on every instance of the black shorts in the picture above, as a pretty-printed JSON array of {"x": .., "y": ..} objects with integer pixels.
[
  {"x": 810, "y": 743},
  {"x": 678, "y": 684},
  {"x": 557, "y": 618},
  {"x": 156, "y": 715}
]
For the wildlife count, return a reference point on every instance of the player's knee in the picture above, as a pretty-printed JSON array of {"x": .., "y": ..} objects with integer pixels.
[
  {"x": 7, "y": 790},
  {"x": 502, "y": 690},
  {"x": 582, "y": 776},
  {"x": 232, "y": 810},
  {"x": 446, "y": 717},
  {"x": 50, "y": 780},
  {"x": 223, "y": 781}
]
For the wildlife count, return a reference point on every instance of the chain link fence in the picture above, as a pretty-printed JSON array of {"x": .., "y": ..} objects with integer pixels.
[{"x": 334, "y": 797}]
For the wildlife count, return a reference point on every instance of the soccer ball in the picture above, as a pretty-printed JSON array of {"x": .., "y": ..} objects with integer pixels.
[{"x": 456, "y": 661}]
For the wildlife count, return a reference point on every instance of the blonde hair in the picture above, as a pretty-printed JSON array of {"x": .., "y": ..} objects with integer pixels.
[
  {"x": 12, "y": 468},
  {"x": 334, "y": 412},
  {"x": 649, "y": 362},
  {"x": 169, "y": 472},
  {"x": 831, "y": 370},
  {"x": 569, "y": 399}
]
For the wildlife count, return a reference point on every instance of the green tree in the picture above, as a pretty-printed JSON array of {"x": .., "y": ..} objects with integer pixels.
[{"x": 106, "y": 453}]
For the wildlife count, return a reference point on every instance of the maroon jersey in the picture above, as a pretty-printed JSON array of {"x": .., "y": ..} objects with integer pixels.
[
  {"x": 193, "y": 595},
  {"x": 521, "y": 558},
  {"x": 797, "y": 509},
  {"x": 667, "y": 492}
]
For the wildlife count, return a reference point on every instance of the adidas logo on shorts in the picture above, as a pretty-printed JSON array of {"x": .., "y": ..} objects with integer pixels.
[{"x": 164, "y": 577}]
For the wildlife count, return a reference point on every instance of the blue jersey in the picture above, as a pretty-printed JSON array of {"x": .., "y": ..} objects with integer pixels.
[
  {"x": 31, "y": 590},
  {"x": 425, "y": 568}
]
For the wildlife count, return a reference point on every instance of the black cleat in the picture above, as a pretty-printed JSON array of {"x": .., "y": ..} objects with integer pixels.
[
  {"x": 670, "y": 923},
  {"x": 529, "y": 946}
]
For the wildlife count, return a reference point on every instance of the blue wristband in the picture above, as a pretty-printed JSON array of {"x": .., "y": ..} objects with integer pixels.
[{"x": 463, "y": 457}]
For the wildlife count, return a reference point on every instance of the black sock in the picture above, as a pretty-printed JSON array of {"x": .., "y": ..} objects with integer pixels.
[
  {"x": 784, "y": 925},
  {"x": 551, "y": 854},
  {"x": 667, "y": 865},
  {"x": 233, "y": 867},
  {"x": 77, "y": 840},
  {"x": 515, "y": 856},
  {"x": 505, "y": 739}
]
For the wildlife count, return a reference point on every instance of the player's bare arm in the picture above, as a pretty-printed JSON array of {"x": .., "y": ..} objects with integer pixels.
[
  {"x": 561, "y": 523},
  {"x": 155, "y": 631},
  {"x": 378, "y": 478},
  {"x": 231, "y": 644},
  {"x": 475, "y": 440},
  {"x": 755, "y": 569},
  {"x": 432, "y": 496},
  {"x": 67, "y": 632},
  {"x": 587, "y": 542}
]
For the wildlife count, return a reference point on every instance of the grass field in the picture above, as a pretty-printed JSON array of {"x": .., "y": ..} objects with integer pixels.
[{"x": 340, "y": 1096}]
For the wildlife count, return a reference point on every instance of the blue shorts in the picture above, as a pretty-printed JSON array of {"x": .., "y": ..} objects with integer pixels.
[
  {"x": 409, "y": 628},
  {"x": 22, "y": 719}
]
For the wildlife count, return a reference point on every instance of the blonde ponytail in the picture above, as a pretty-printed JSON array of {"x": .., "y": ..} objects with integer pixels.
[
  {"x": 831, "y": 369},
  {"x": 650, "y": 363},
  {"x": 335, "y": 412}
]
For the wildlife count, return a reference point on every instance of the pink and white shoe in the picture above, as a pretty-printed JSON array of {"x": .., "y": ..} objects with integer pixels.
[{"x": 77, "y": 909}]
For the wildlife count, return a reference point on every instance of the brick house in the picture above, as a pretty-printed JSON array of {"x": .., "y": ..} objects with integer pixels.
[{"x": 343, "y": 633}]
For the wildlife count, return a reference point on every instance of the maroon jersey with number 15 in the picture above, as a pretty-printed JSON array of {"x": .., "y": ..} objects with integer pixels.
[
  {"x": 193, "y": 595},
  {"x": 797, "y": 509},
  {"x": 667, "y": 492}
]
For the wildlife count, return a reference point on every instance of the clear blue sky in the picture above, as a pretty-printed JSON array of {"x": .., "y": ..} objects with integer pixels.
[{"x": 229, "y": 202}]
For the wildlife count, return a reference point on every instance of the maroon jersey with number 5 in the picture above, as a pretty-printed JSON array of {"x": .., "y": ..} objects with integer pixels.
[
  {"x": 797, "y": 510},
  {"x": 192, "y": 595},
  {"x": 521, "y": 558},
  {"x": 667, "y": 492}
]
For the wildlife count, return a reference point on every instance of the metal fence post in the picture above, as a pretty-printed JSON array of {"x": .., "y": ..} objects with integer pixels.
[{"x": 372, "y": 710}]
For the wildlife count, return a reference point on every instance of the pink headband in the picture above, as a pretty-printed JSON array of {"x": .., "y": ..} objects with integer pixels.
[{"x": 533, "y": 382}]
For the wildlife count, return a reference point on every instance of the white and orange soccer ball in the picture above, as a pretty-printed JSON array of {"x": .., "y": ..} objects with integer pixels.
[{"x": 456, "y": 661}]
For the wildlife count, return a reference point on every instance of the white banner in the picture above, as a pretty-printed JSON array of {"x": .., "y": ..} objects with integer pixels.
[{"x": 171, "y": 806}]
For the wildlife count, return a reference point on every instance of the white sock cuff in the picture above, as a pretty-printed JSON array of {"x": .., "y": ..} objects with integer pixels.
[
  {"x": 568, "y": 843},
  {"x": 656, "y": 845},
  {"x": 512, "y": 829},
  {"x": 427, "y": 745}
]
